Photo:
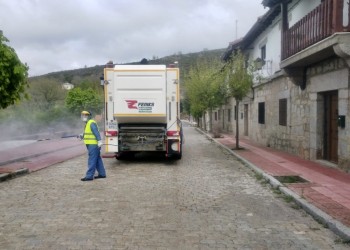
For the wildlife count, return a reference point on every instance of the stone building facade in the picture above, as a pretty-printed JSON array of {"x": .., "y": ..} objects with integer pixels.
[{"x": 301, "y": 105}]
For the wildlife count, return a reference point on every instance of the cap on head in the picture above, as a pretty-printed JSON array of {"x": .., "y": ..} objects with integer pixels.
[{"x": 85, "y": 115}]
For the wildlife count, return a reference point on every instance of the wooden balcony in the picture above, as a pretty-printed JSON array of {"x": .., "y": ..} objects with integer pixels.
[{"x": 330, "y": 17}]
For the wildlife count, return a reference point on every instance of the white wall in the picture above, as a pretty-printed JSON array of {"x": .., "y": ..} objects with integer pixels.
[
  {"x": 271, "y": 37},
  {"x": 298, "y": 9}
]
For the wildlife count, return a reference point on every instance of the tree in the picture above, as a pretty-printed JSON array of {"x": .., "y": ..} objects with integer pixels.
[
  {"x": 46, "y": 93},
  {"x": 78, "y": 100},
  {"x": 89, "y": 83},
  {"x": 13, "y": 75},
  {"x": 203, "y": 87},
  {"x": 239, "y": 82}
]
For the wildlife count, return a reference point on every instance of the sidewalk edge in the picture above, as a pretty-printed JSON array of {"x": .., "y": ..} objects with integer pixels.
[{"x": 18, "y": 172}]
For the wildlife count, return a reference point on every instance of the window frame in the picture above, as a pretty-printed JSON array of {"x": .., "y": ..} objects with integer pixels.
[
  {"x": 261, "y": 112},
  {"x": 282, "y": 111}
]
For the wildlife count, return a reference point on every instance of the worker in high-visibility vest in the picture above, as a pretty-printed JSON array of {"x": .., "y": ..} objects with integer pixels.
[{"x": 92, "y": 140}]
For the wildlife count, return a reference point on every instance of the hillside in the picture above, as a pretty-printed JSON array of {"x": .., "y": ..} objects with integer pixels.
[{"x": 94, "y": 73}]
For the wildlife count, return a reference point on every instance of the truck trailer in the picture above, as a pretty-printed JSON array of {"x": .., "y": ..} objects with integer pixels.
[{"x": 142, "y": 110}]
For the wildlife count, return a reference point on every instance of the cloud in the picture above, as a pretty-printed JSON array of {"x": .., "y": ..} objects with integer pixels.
[{"x": 60, "y": 35}]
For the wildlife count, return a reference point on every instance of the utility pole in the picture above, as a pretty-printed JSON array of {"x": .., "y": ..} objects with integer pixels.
[{"x": 236, "y": 29}]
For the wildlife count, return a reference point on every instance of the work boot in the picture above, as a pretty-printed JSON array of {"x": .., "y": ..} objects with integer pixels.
[
  {"x": 99, "y": 177},
  {"x": 86, "y": 179}
]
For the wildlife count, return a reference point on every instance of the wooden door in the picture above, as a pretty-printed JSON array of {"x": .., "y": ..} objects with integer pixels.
[
  {"x": 246, "y": 119},
  {"x": 331, "y": 127}
]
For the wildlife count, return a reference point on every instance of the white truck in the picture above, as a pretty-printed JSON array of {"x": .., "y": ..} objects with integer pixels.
[{"x": 142, "y": 110}]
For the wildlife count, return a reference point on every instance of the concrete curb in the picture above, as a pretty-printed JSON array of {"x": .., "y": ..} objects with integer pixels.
[
  {"x": 11, "y": 175},
  {"x": 337, "y": 227}
]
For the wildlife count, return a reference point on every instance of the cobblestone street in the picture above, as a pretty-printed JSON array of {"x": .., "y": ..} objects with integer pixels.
[{"x": 207, "y": 200}]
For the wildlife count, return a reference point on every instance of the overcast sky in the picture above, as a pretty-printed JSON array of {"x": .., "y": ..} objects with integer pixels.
[{"x": 55, "y": 35}]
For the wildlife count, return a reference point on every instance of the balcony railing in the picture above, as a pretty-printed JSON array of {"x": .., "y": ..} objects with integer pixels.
[{"x": 330, "y": 17}]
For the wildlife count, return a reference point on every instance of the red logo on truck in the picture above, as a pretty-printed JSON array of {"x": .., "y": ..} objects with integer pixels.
[{"x": 131, "y": 104}]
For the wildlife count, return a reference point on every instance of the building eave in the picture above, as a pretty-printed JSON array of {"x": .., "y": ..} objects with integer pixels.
[
  {"x": 272, "y": 3},
  {"x": 261, "y": 24}
]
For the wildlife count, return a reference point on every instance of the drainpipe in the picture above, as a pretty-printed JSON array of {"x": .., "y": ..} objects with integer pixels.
[
  {"x": 303, "y": 80},
  {"x": 285, "y": 24}
]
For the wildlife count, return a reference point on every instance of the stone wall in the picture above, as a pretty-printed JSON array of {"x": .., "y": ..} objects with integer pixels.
[{"x": 303, "y": 135}]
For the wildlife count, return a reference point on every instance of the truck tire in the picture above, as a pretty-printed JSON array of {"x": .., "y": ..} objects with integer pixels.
[{"x": 178, "y": 156}]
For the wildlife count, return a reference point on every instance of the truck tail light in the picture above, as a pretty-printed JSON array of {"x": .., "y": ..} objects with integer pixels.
[
  {"x": 173, "y": 133},
  {"x": 111, "y": 133}
]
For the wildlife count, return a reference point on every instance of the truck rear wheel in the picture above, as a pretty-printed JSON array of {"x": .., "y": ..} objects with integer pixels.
[{"x": 178, "y": 156}]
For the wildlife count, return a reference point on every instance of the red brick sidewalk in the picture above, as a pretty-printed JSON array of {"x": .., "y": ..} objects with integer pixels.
[
  {"x": 39, "y": 154},
  {"x": 326, "y": 188}
]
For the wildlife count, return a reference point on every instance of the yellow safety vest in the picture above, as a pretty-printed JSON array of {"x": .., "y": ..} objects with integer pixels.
[{"x": 89, "y": 137}]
